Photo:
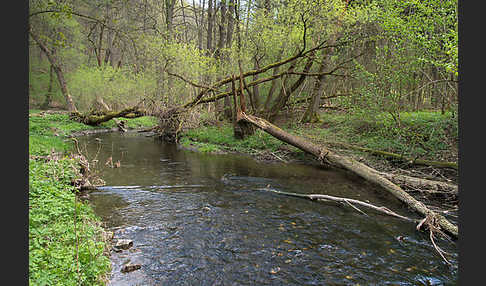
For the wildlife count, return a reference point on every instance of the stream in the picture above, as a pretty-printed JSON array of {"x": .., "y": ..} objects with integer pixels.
[{"x": 202, "y": 219}]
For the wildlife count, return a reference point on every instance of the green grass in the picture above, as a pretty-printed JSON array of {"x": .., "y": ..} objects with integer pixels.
[
  {"x": 425, "y": 134},
  {"x": 52, "y": 237},
  {"x": 217, "y": 138}
]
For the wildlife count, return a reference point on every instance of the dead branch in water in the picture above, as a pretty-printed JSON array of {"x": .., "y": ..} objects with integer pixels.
[
  {"x": 430, "y": 222},
  {"x": 326, "y": 156},
  {"x": 348, "y": 201}
]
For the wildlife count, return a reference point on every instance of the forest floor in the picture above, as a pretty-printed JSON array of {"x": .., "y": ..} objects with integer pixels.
[
  {"x": 67, "y": 243},
  {"x": 426, "y": 135}
]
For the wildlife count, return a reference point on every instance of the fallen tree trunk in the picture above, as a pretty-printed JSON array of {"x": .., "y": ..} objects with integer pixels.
[
  {"x": 419, "y": 183},
  {"x": 326, "y": 156},
  {"x": 98, "y": 117},
  {"x": 437, "y": 164}
]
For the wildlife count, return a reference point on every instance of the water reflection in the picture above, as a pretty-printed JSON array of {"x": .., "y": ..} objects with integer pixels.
[{"x": 199, "y": 219}]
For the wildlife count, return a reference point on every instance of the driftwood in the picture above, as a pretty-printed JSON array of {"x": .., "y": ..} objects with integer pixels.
[
  {"x": 348, "y": 201},
  {"x": 416, "y": 161},
  {"x": 328, "y": 157}
]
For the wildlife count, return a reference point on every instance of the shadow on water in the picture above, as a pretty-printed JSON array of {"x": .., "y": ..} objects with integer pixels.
[{"x": 198, "y": 219}]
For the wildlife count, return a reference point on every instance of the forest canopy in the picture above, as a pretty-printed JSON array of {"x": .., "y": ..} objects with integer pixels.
[{"x": 386, "y": 56}]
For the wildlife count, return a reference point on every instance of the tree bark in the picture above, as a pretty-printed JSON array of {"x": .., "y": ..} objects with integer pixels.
[
  {"x": 242, "y": 129},
  {"x": 437, "y": 164},
  {"x": 98, "y": 117},
  {"x": 57, "y": 69},
  {"x": 228, "y": 112},
  {"x": 326, "y": 156},
  {"x": 285, "y": 93},
  {"x": 311, "y": 114},
  {"x": 210, "y": 27},
  {"x": 48, "y": 99},
  {"x": 420, "y": 183},
  {"x": 273, "y": 85}
]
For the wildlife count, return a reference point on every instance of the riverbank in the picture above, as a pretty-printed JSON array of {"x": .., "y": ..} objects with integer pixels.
[
  {"x": 67, "y": 242},
  {"x": 422, "y": 135}
]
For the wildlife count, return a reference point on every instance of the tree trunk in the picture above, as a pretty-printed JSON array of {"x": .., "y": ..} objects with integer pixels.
[
  {"x": 184, "y": 21},
  {"x": 58, "y": 70},
  {"x": 221, "y": 28},
  {"x": 437, "y": 164},
  {"x": 242, "y": 129},
  {"x": 311, "y": 115},
  {"x": 285, "y": 93},
  {"x": 169, "y": 16},
  {"x": 273, "y": 85},
  {"x": 231, "y": 23},
  {"x": 210, "y": 27},
  {"x": 326, "y": 156},
  {"x": 256, "y": 88},
  {"x": 198, "y": 24},
  {"x": 219, "y": 109},
  {"x": 48, "y": 100},
  {"x": 228, "y": 113},
  {"x": 97, "y": 117}
]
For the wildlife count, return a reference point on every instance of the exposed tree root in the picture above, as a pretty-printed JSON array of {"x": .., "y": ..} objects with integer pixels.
[{"x": 170, "y": 123}]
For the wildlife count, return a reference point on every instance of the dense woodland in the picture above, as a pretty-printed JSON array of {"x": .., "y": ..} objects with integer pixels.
[
  {"x": 367, "y": 57},
  {"x": 382, "y": 73}
]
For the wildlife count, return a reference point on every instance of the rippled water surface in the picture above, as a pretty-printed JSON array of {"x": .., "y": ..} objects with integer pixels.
[{"x": 200, "y": 219}]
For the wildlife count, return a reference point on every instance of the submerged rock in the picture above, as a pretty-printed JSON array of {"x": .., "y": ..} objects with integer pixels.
[
  {"x": 130, "y": 267},
  {"x": 123, "y": 244}
]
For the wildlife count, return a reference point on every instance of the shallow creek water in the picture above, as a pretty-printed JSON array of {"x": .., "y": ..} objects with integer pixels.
[{"x": 200, "y": 219}]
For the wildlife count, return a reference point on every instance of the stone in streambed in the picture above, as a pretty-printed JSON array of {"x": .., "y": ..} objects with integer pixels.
[
  {"x": 130, "y": 267},
  {"x": 123, "y": 244}
]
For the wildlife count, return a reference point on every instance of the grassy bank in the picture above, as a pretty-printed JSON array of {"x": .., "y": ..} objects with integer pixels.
[
  {"x": 67, "y": 244},
  {"x": 426, "y": 135}
]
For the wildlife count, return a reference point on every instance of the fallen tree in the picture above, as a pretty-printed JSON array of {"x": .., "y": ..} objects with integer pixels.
[
  {"x": 94, "y": 118},
  {"x": 416, "y": 161},
  {"x": 419, "y": 183},
  {"x": 433, "y": 220}
]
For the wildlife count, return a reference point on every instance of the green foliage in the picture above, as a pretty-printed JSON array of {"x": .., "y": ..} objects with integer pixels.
[
  {"x": 52, "y": 237},
  {"x": 429, "y": 26},
  {"x": 113, "y": 85},
  {"x": 223, "y": 138},
  {"x": 411, "y": 40},
  {"x": 427, "y": 134},
  {"x": 53, "y": 240}
]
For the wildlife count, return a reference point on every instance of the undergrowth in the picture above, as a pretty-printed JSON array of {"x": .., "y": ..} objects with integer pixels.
[
  {"x": 424, "y": 134},
  {"x": 61, "y": 253},
  {"x": 219, "y": 138}
]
